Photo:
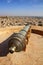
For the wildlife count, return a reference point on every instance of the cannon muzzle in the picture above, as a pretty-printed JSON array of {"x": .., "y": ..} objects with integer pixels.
[{"x": 18, "y": 41}]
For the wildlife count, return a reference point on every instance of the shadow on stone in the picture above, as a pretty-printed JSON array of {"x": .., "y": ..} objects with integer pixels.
[{"x": 4, "y": 47}]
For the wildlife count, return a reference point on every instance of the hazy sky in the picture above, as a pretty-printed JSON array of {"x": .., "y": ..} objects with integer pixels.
[{"x": 21, "y": 7}]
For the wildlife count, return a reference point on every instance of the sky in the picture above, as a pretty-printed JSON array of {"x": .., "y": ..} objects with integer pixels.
[{"x": 21, "y": 7}]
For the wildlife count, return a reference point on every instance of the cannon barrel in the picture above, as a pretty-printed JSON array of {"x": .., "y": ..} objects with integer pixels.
[{"x": 18, "y": 41}]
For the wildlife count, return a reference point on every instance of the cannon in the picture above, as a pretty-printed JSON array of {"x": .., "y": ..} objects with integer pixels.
[{"x": 19, "y": 40}]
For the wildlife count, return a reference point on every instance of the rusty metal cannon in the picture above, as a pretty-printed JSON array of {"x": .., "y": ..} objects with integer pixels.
[{"x": 19, "y": 40}]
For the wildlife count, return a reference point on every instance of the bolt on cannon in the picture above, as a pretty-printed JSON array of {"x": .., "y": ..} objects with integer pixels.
[{"x": 19, "y": 40}]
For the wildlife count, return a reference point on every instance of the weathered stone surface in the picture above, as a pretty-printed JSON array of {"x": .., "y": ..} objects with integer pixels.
[{"x": 34, "y": 51}]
